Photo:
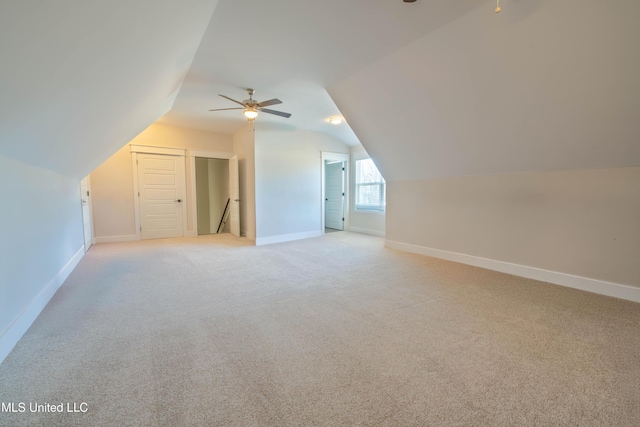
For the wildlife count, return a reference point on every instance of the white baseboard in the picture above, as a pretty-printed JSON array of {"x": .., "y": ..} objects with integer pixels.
[
  {"x": 602, "y": 287},
  {"x": 287, "y": 237},
  {"x": 115, "y": 239},
  {"x": 366, "y": 231},
  {"x": 21, "y": 324}
]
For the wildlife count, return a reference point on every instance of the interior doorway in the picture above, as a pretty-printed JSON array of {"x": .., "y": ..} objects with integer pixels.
[
  {"x": 232, "y": 217},
  {"x": 85, "y": 194},
  {"x": 334, "y": 195},
  {"x": 213, "y": 203},
  {"x": 335, "y": 167}
]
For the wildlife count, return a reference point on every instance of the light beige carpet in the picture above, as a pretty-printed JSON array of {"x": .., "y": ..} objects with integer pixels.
[{"x": 329, "y": 331}]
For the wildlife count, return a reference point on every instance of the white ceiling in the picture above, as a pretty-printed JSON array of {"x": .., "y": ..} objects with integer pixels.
[
  {"x": 542, "y": 86},
  {"x": 79, "y": 79},
  {"x": 432, "y": 88},
  {"x": 293, "y": 50}
]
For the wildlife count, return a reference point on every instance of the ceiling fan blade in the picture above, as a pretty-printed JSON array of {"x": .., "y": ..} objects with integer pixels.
[
  {"x": 222, "y": 109},
  {"x": 230, "y": 99},
  {"x": 273, "y": 101},
  {"x": 277, "y": 113}
]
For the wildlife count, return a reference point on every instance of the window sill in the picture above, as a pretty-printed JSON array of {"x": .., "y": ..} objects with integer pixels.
[{"x": 369, "y": 212}]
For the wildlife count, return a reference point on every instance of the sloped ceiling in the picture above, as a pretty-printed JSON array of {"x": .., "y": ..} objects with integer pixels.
[
  {"x": 79, "y": 79},
  {"x": 544, "y": 85},
  {"x": 432, "y": 88},
  {"x": 292, "y": 50}
]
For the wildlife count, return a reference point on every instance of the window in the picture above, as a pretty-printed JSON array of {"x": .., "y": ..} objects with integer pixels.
[{"x": 370, "y": 187}]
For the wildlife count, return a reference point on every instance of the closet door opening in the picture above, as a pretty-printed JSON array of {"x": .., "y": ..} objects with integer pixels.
[{"x": 213, "y": 204}]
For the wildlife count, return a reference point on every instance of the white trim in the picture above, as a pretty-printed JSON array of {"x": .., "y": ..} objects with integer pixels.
[
  {"x": 157, "y": 150},
  {"x": 93, "y": 227},
  {"x": 193, "y": 203},
  {"x": 135, "y": 149},
  {"x": 335, "y": 156},
  {"x": 287, "y": 237},
  {"x": 136, "y": 196},
  {"x": 211, "y": 154},
  {"x": 90, "y": 201},
  {"x": 367, "y": 231},
  {"x": 115, "y": 239},
  {"x": 183, "y": 187},
  {"x": 185, "y": 219},
  {"x": 192, "y": 154},
  {"x": 602, "y": 287},
  {"x": 369, "y": 211},
  {"x": 234, "y": 196},
  {"x": 378, "y": 211},
  {"x": 325, "y": 155},
  {"x": 23, "y": 322}
]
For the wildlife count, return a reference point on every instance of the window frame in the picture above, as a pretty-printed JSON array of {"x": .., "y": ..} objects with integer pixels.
[{"x": 382, "y": 188}]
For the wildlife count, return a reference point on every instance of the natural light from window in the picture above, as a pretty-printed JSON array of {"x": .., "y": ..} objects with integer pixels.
[{"x": 370, "y": 187}]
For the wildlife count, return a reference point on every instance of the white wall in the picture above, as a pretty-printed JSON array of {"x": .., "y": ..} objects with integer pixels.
[
  {"x": 583, "y": 223},
  {"x": 112, "y": 181},
  {"x": 244, "y": 148},
  {"x": 42, "y": 241},
  {"x": 514, "y": 140},
  {"x": 112, "y": 194},
  {"x": 288, "y": 182}
]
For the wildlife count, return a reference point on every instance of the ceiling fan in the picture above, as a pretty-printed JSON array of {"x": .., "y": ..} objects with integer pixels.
[{"x": 251, "y": 106}]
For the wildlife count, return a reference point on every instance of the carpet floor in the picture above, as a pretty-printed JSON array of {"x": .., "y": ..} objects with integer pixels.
[{"x": 330, "y": 331}]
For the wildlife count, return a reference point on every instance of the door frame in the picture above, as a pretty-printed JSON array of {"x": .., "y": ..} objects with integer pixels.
[
  {"x": 90, "y": 207},
  {"x": 147, "y": 149},
  {"x": 192, "y": 154},
  {"x": 346, "y": 158}
]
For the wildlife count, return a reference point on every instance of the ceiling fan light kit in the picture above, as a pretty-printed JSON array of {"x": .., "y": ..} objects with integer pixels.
[
  {"x": 251, "y": 107},
  {"x": 250, "y": 113}
]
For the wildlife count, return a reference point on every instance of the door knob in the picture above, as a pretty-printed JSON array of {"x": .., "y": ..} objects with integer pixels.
[{"x": 179, "y": 200}]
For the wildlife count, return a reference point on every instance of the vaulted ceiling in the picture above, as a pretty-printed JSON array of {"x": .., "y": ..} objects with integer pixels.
[
  {"x": 79, "y": 79},
  {"x": 541, "y": 86},
  {"x": 432, "y": 88},
  {"x": 293, "y": 50}
]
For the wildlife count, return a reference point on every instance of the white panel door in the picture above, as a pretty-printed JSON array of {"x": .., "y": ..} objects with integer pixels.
[
  {"x": 334, "y": 196},
  {"x": 86, "y": 213},
  {"x": 161, "y": 195},
  {"x": 234, "y": 195}
]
